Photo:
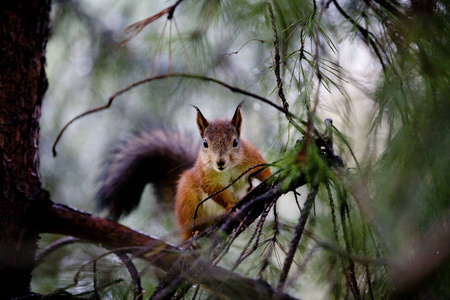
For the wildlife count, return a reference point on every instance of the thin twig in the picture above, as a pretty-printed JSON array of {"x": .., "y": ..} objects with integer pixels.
[
  {"x": 55, "y": 245},
  {"x": 297, "y": 235},
  {"x": 191, "y": 76},
  {"x": 197, "y": 288},
  {"x": 278, "y": 77},
  {"x": 134, "y": 274},
  {"x": 366, "y": 266},
  {"x": 240, "y": 48},
  {"x": 332, "y": 247},
  {"x": 277, "y": 59},
  {"x": 350, "y": 272},
  {"x": 171, "y": 281},
  {"x": 272, "y": 241},
  {"x": 317, "y": 66},
  {"x": 256, "y": 234},
  {"x": 223, "y": 249},
  {"x": 296, "y": 200},
  {"x": 301, "y": 267},
  {"x": 336, "y": 236},
  {"x": 276, "y": 221},
  {"x": 134, "y": 29},
  {"x": 220, "y": 191},
  {"x": 94, "y": 275},
  {"x": 80, "y": 269},
  {"x": 184, "y": 47},
  {"x": 364, "y": 32}
]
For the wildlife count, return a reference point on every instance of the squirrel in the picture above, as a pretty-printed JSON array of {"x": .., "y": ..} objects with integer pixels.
[{"x": 182, "y": 171}]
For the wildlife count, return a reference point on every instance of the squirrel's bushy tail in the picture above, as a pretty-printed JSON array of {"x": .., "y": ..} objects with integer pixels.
[{"x": 156, "y": 156}]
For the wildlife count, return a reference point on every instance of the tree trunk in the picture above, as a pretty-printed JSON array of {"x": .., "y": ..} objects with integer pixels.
[{"x": 24, "y": 30}]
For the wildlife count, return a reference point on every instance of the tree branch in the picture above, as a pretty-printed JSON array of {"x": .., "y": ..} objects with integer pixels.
[
  {"x": 391, "y": 7},
  {"x": 60, "y": 219},
  {"x": 54, "y": 246},
  {"x": 364, "y": 32},
  {"x": 297, "y": 235},
  {"x": 134, "y": 29},
  {"x": 277, "y": 58},
  {"x": 193, "y": 76}
]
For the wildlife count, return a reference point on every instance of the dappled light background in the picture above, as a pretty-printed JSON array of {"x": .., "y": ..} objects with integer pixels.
[
  {"x": 232, "y": 42},
  {"x": 87, "y": 64}
]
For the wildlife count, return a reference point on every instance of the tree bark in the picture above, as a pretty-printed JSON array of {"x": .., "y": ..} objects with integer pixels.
[{"x": 24, "y": 30}]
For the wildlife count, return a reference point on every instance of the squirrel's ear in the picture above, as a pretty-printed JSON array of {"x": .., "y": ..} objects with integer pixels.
[
  {"x": 236, "y": 121},
  {"x": 202, "y": 123}
]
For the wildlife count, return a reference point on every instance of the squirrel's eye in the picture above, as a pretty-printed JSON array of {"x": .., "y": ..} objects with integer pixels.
[
  {"x": 205, "y": 144},
  {"x": 235, "y": 143}
]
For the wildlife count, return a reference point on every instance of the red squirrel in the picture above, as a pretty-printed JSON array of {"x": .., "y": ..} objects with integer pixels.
[{"x": 166, "y": 159}]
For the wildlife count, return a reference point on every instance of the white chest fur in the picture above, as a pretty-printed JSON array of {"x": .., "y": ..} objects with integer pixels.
[{"x": 237, "y": 191}]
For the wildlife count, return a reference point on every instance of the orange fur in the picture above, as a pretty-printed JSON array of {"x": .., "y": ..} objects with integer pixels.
[{"x": 222, "y": 158}]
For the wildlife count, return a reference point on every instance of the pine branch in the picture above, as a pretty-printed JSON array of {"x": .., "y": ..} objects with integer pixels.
[
  {"x": 364, "y": 32},
  {"x": 297, "y": 235},
  {"x": 60, "y": 219},
  {"x": 277, "y": 58}
]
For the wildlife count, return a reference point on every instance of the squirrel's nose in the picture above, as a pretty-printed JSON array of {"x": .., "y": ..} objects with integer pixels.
[{"x": 221, "y": 164}]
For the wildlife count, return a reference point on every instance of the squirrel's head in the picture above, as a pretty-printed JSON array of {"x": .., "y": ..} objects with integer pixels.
[{"x": 221, "y": 148}]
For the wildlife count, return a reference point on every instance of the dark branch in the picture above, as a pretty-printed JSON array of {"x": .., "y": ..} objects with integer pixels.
[
  {"x": 277, "y": 59},
  {"x": 54, "y": 246},
  {"x": 220, "y": 191},
  {"x": 364, "y": 32},
  {"x": 134, "y": 274},
  {"x": 60, "y": 219},
  {"x": 390, "y": 7},
  {"x": 277, "y": 74},
  {"x": 199, "y": 77},
  {"x": 297, "y": 235},
  {"x": 134, "y": 29}
]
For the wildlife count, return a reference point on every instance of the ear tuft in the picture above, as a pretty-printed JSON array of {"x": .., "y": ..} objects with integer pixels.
[
  {"x": 236, "y": 121},
  {"x": 202, "y": 123}
]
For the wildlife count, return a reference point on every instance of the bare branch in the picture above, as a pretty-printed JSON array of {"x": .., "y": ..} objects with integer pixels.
[
  {"x": 192, "y": 76},
  {"x": 134, "y": 274},
  {"x": 54, "y": 246},
  {"x": 332, "y": 247},
  {"x": 317, "y": 65},
  {"x": 240, "y": 48},
  {"x": 364, "y": 32},
  {"x": 61, "y": 219},
  {"x": 297, "y": 235},
  {"x": 391, "y": 7},
  {"x": 277, "y": 59},
  {"x": 220, "y": 191},
  {"x": 134, "y": 29},
  {"x": 256, "y": 234},
  {"x": 277, "y": 73}
]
